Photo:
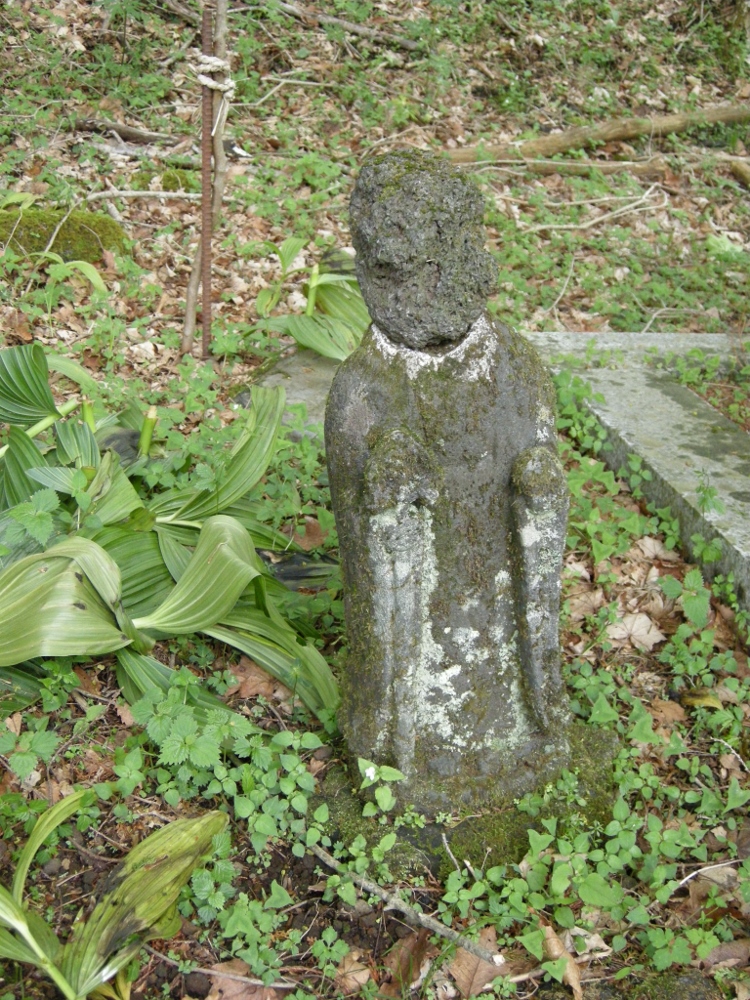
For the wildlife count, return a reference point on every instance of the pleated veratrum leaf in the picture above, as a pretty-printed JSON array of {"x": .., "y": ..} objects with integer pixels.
[
  {"x": 138, "y": 673},
  {"x": 22, "y": 456},
  {"x": 343, "y": 301},
  {"x": 138, "y": 898},
  {"x": 112, "y": 494},
  {"x": 58, "y": 477},
  {"x": 25, "y": 396},
  {"x": 220, "y": 568},
  {"x": 146, "y": 581},
  {"x": 29, "y": 940},
  {"x": 274, "y": 646},
  {"x": 63, "y": 602},
  {"x": 327, "y": 336},
  {"x": 14, "y": 949},
  {"x": 76, "y": 445},
  {"x": 263, "y": 535},
  {"x": 248, "y": 461},
  {"x": 19, "y": 688},
  {"x": 72, "y": 370},
  {"x": 44, "y": 826}
]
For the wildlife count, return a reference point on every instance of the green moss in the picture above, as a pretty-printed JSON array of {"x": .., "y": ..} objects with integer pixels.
[
  {"x": 347, "y": 823},
  {"x": 502, "y": 829},
  {"x": 83, "y": 235},
  {"x": 172, "y": 179}
]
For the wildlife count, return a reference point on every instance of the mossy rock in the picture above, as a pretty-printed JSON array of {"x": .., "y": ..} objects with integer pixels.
[
  {"x": 83, "y": 235},
  {"x": 172, "y": 179},
  {"x": 502, "y": 829}
]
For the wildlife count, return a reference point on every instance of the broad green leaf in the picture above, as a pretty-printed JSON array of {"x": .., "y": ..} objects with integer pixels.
[
  {"x": 327, "y": 336},
  {"x": 139, "y": 902},
  {"x": 344, "y": 302},
  {"x": 60, "y": 478},
  {"x": 63, "y": 602},
  {"x": 61, "y": 272},
  {"x": 113, "y": 497},
  {"x": 595, "y": 890},
  {"x": 76, "y": 445},
  {"x": 138, "y": 673},
  {"x": 278, "y": 899},
  {"x": 288, "y": 250},
  {"x": 248, "y": 461},
  {"x": 301, "y": 668},
  {"x": 21, "y": 457},
  {"x": 174, "y": 547},
  {"x": 25, "y": 396},
  {"x": 44, "y": 826},
  {"x": 146, "y": 581},
  {"x": 19, "y": 688},
  {"x": 219, "y": 570},
  {"x": 602, "y": 712},
  {"x": 533, "y": 942},
  {"x": 72, "y": 370},
  {"x": 14, "y": 949}
]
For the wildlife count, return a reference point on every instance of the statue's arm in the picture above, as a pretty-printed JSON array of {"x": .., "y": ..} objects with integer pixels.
[
  {"x": 398, "y": 472},
  {"x": 540, "y": 508}
]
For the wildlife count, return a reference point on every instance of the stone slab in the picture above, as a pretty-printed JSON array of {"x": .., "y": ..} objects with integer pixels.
[
  {"x": 645, "y": 412},
  {"x": 678, "y": 436}
]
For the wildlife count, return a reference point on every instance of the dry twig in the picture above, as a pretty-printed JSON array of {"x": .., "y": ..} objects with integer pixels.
[{"x": 393, "y": 901}]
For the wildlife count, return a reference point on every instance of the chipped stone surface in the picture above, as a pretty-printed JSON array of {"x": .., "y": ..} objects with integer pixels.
[{"x": 451, "y": 508}]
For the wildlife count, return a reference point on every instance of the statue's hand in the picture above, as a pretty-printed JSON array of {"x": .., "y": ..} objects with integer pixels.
[{"x": 399, "y": 471}]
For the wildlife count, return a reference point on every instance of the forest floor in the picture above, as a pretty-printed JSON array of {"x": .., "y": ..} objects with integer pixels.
[{"x": 660, "y": 244}]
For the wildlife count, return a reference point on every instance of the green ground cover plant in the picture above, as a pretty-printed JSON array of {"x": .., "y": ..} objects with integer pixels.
[{"x": 653, "y": 652}]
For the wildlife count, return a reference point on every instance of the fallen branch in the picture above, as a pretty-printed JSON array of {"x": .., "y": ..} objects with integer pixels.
[
  {"x": 184, "y": 12},
  {"x": 114, "y": 193},
  {"x": 655, "y": 167},
  {"x": 312, "y": 17},
  {"x": 619, "y": 129},
  {"x": 126, "y": 132},
  {"x": 394, "y": 902}
]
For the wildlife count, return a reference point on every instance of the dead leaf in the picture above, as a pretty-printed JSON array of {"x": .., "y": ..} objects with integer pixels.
[
  {"x": 667, "y": 712},
  {"x": 743, "y": 840},
  {"x": 351, "y": 974},
  {"x": 254, "y": 682},
  {"x": 729, "y": 954},
  {"x": 472, "y": 974},
  {"x": 584, "y": 942},
  {"x": 313, "y": 537},
  {"x": 637, "y": 629},
  {"x": 224, "y": 988},
  {"x": 587, "y": 603},
  {"x": 653, "y": 548},
  {"x": 553, "y": 949},
  {"x": 700, "y": 697},
  {"x": 741, "y": 991},
  {"x": 125, "y": 715},
  {"x": 404, "y": 962},
  {"x": 14, "y": 723}
]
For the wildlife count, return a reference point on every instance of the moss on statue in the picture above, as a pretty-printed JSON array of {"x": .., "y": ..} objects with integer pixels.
[
  {"x": 82, "y": 236},
  {"x": 501, "y": 829}
]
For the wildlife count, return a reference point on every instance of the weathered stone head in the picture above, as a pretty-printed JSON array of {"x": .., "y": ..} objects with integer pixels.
[{"x": 417, "y": 228}]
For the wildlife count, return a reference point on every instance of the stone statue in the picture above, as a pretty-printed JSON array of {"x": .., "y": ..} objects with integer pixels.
[{"x": 451, "y": 506}]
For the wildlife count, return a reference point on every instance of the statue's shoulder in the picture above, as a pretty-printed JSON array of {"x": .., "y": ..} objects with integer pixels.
[{"x": 522, "y": 357}]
